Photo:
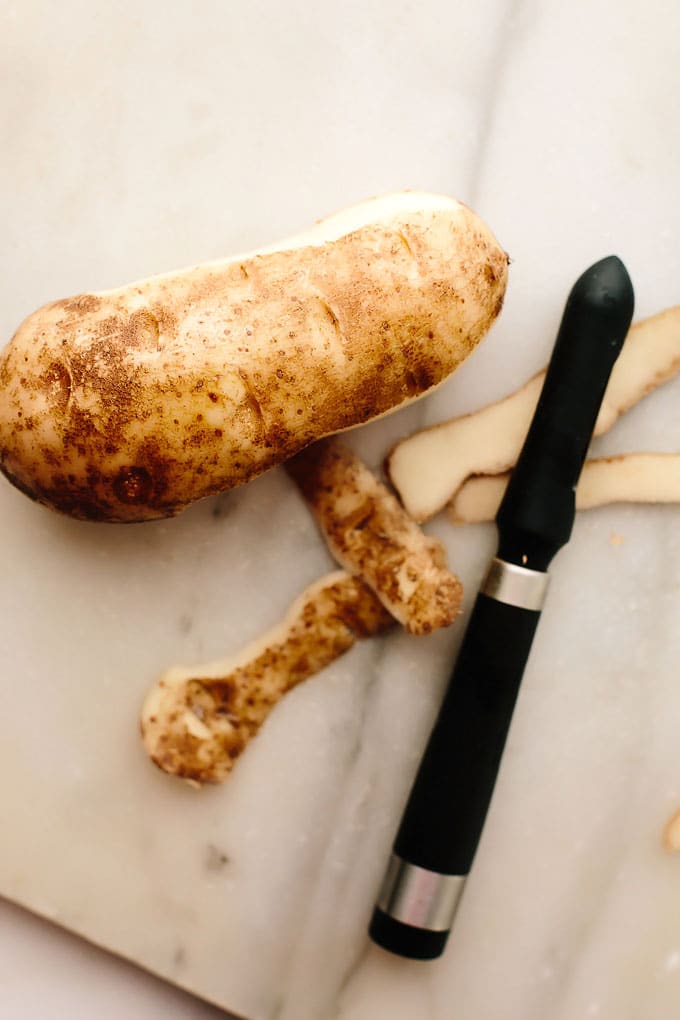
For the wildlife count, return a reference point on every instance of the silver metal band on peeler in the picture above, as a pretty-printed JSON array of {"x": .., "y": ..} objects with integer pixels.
[
  {"x": 515, "y": 585},
  {"x": 421, "y": 898}
]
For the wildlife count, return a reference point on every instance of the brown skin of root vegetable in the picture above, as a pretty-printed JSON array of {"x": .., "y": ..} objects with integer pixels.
[
  {"x": 197, "y": 721},
  {"x": 371, "y": 535},
  {"x": 130, "y": 404}
]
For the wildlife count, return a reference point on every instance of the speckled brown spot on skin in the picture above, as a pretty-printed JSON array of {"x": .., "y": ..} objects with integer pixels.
[
  {"x": 49, "y": 456},
  {"x": 80, "y": 429},
  {"x": 133, "y": 485},
  {"x": 421, "y": 377},
  {"x": 81, "y": 303},
  {"x": 57, "y": 380},
  {"x": 79, "y": 502},
  {"x": 411, "y": 382},
  {"x": 166, "y": 319},
  {"x": 280, "y": 437},
  {"x": 141, "y": 330}
]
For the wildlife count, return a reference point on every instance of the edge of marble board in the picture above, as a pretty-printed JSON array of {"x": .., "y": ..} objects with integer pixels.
[{"x": 81, "y": 935}]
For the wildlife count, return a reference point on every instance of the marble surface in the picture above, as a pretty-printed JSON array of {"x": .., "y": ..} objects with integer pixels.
[{"x": 141, "y": 137}]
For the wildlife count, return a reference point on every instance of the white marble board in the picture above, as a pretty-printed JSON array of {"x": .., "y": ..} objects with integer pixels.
[{"x": 139, "y": 137}]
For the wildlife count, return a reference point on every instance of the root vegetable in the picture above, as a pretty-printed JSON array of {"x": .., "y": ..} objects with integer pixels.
[{"x": 130, "y": 404}]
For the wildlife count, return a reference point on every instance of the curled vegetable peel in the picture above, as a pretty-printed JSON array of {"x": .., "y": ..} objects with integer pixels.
[
  {"x": 370, "y": 534},
  {"x": 629, "y": 478},
  {"x": 428, "y": 468},
  {"x": 197, "y": 721}
]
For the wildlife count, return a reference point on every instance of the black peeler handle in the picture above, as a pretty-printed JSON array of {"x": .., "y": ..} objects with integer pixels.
[
  {"x": 537, "y": 513},
  {"x": 447, "y": 807}
]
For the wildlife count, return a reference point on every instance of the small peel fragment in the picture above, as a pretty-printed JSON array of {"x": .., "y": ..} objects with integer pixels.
[
  {"x": 196, "y": 721},
  {"x": 629, "y": 478},
  {"x": 371, "y": 535},
  {"x": 671, "y": 834},
  {"x": 428, "y": 468}
]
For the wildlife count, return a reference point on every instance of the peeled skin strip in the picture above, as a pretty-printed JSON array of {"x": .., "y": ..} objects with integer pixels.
[
  {"x": 371, "y": 535},
  {"x": 428, "y": 468},
  {"x": 196, "y": 722},
  {"x": 630, "y": 478},
  {"x": 130, "y": 404}
]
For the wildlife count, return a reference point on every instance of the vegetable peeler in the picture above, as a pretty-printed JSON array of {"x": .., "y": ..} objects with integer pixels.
[{"x": 444, "y": 817}]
